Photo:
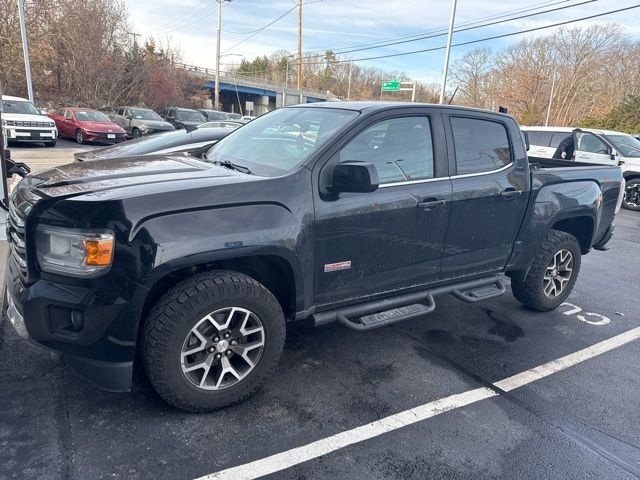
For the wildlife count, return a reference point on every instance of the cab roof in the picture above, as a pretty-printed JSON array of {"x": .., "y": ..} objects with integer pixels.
[
  {"x": 371, "y": 106},
  {"x": 9, "y": 97}
]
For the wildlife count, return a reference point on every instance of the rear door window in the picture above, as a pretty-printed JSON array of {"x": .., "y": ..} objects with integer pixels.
[
  {"x": 558, "y": 137},
  {"x": 481, "y": 145}
]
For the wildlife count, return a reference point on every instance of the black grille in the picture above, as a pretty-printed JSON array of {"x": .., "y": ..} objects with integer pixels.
[
  {"x": 20, "y": 123},
  {"x": 19, "y": 208}
]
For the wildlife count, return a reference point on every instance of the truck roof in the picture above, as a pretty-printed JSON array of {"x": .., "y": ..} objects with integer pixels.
[
  {"x": 385, "y": 105},
  {"x": 571, "y": 129},
  {"x": 9, "y": 97}
]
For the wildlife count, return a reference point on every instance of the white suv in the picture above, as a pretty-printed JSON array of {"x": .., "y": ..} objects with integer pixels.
[
  {"x": 23, "y": 122},
  {"x": 602, "y": 147}
]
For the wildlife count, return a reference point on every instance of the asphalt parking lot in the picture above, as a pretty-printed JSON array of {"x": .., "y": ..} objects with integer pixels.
[{"x": 580, "y": 422}]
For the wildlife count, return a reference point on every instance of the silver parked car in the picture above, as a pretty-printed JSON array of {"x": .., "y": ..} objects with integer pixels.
[{"x": 139, "y": 122}]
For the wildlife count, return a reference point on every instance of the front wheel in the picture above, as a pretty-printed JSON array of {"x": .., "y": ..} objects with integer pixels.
[
  {"x": 79, "y": 137},
  {"x": 50, "y": 144},
  {"x": 631, "y": 199},
  {"x": 552, "y": 275},
  {"x": 135, "y": 133},
  {"x": 212, "y": 340}
]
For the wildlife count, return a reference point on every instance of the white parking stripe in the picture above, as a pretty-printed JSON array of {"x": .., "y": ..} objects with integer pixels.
[{"x": 295, "y": 456}]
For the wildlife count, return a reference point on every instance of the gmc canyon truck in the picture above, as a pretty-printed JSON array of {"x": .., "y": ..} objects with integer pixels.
[{"x": 357, "y": 213}]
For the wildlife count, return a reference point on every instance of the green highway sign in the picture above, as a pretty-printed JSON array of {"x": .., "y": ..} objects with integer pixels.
[{"x": 392, "y": 86}]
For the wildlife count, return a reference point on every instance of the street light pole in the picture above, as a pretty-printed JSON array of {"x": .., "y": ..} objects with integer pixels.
[
  {"x": 448, "y": 52},
  {"x": 299, "y": 65},
  {"x": 216, "y": 101},
  {"x": 553, "y": 85},
  {"x": 25, "y": 49}
]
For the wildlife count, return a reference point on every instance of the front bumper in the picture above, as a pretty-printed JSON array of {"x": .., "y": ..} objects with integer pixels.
[
  {"x": 99, "y": 137},
  {"x": 32, "y": 135},
  {"x": 83, "y": 324}
]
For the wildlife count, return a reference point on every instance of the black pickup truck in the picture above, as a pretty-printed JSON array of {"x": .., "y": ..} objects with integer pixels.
[{"x": 358, "y": 213}]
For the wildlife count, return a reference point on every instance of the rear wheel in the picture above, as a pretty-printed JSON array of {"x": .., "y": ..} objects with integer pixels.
[
  {"x": 552, "y": 275},
  {"x": 79, "y": 137},
  {"x": 631, "y": 200},
  {"x": 212, "y": 340}
]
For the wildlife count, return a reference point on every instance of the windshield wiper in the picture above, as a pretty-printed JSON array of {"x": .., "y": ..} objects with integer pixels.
[{"x": 232, "y": 166}]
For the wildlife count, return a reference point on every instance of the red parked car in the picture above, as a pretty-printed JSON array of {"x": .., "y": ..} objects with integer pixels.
[{"x": 86, "y": 125}]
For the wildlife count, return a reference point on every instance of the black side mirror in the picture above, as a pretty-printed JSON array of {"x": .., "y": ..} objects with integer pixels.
[
  {"x": 16, "y": 168},
  {"x": 356, "y": 177}
]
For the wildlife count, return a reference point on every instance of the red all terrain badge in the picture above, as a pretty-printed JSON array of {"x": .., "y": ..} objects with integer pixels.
[{"x": 334, "y": 267}]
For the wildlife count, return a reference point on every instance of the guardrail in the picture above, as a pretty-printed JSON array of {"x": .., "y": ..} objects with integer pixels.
[{"x": 250, "y": 81}]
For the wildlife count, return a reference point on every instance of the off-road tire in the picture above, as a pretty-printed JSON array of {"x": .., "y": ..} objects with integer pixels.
[
  {"x": 530, "y": 291},
  {"x": 173, "y": 316},
  {"x": 631, "y": 184}
]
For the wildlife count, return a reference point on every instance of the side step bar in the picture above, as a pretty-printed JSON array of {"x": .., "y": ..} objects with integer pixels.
[{"x": 379, "y": 313}]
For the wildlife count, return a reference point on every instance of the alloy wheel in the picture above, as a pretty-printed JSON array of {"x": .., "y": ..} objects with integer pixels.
[
  {"x": 79, "y": 137},
  {"x": 558, "y": 273},
  {"x": 632, "y": 195},
  {"x": 222, "y": 348}
]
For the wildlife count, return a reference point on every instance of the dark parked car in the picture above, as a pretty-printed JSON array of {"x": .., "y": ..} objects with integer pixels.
[
  {"x": 183, "y": 117},
  {"x": 194, "y": 143},
  {"x": 139, "y": 122},
  {"x": 198, "y": 265},
  {"x": 211, "y": 115},
  {"x": 86, "y": 125}
]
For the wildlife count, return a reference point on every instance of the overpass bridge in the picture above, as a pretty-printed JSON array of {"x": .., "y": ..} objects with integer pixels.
[{"x": 237, "y": 90}]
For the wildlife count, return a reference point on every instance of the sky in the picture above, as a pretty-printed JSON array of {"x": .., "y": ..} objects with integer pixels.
[{"x": 341, "y": 25}]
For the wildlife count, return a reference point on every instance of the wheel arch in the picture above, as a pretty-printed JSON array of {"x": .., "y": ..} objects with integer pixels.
[{"x": 277, "y": 273}]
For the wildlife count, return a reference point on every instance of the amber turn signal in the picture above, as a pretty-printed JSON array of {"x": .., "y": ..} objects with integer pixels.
[{"x": 99, "y": 252}]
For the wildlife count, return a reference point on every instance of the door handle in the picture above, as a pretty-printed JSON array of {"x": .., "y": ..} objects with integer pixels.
[
  {"x": 510, "y": 193},
  {"x": 431, "y": 203}
]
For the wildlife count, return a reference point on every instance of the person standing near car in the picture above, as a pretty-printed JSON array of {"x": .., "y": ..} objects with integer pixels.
[{"x": 565, "y": 149}]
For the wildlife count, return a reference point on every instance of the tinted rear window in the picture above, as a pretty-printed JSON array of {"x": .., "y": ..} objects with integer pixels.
[
  {"x": 539, "y": 138},
  {"x": 481, "y": 145},
  {"x": 558, "y": 137}
]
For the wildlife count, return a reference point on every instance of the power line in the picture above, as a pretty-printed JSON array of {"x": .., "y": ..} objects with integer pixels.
[
  {"x": 435, "y": 35},
  {"x": 262, "y": 28},
  {"x": 174, "y": 20},
  {"x": 495, "y": 37},
  {"x": 469, "y": 23}
]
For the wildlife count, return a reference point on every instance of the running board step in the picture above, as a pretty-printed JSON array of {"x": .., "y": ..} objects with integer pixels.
[
  {"x": 388, "y": 317},
  {"x": 480, "y": 293},
  {"x": 396, "y": 314}
]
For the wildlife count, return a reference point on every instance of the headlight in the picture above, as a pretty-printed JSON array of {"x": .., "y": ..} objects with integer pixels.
[{"x": 73, "y": 252}]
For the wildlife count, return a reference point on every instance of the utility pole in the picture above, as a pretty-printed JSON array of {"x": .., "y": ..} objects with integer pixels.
[
  {"x": 553, "y": 85},
  {"x": 25, "y": 49},
  {"x": 299, "y": 66},
  {"x": 216, "y": 101},
  {"x": 135, "y": 44},
  {"x": 349, "y": 84},
  {"x": 448, "y": 52}
]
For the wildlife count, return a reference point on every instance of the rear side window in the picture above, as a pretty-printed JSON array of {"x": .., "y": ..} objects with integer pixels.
[
  {"x": 558, "y": 137},
  {"x": 539, "y": 138},
  {"x": 481, "y": 145}
]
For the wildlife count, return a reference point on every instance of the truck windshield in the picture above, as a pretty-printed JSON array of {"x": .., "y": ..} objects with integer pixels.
[
  {"x": 17, "y": 106},
  {"x": 279, "y": 141},
  {"x": 626, "y": 145}
]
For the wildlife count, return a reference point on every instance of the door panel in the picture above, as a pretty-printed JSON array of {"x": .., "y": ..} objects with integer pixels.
[
  {"x": 592, "y": 149},
  {"x": 390, "y": 239},
  {"x": 489, "y": 198}
]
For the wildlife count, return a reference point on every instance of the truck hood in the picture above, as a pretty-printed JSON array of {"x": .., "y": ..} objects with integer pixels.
[{"x": 107, "y": 175}]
